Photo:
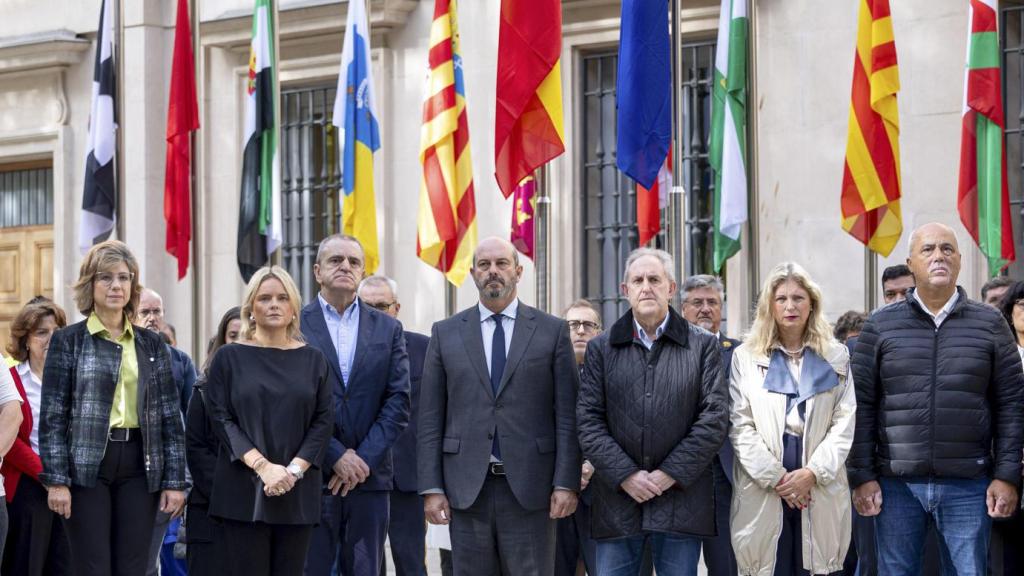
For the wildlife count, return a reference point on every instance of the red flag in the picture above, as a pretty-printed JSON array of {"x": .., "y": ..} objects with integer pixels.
[
  {"x": 182, "y": 119},
  {"x": 524, "y": 203},
  {"x": 650, "y": 202}
]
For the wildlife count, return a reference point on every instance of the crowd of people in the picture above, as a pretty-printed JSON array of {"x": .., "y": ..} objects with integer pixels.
[{"x": 888, "y": 443}]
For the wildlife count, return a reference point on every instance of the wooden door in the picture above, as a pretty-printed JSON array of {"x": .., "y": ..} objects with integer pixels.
[{"x": 26, "y": 271}]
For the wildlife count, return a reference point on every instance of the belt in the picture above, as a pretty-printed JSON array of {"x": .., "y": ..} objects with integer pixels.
[
  {"x": 496, "y": 469},
  {"x": 123, "y": 434}
]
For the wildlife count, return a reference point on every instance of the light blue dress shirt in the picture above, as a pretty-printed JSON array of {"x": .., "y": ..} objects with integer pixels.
[
  {"x": 644, "y": 338},
  {"x": 344, "y": 330},
  {"x": 487, "y": 328}
]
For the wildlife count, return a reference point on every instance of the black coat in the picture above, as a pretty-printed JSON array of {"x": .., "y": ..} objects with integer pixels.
[
  {"x": 665, "y": 409},
  {"x": 403, "y": 452},
  {"x": 944, "y": 402}
]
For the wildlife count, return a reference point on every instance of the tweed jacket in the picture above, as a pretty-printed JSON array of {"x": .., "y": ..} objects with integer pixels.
[{"x": 79, "y": 379}]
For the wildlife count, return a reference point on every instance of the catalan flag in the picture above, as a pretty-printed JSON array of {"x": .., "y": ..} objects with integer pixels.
[
  {"x": 983, "y": 198},
  {"x": 446, "y": 227},
  {"x": 870, "y": 198},
  {"x": 528, "y": 115},
  {"x": 355, "y": 115}
]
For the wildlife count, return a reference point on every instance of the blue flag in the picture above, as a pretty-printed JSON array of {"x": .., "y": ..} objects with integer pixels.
[{"x": 644, "y": 90}]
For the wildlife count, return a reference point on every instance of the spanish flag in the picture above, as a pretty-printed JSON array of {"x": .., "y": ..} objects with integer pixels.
[
  {"x": 871, "y": 182},
  {"x": 446, "y": 227},
  {"x": 528, "y": 115}
]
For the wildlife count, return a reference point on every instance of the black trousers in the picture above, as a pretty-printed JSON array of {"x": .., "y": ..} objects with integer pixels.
[
  {"x": 36, "y": 543},
  {"x": 407, "y": 531},
  {"x": 261, "y": 549},
  {"x": 111, "y": 523},
  {"x": 205, "y": 543}
]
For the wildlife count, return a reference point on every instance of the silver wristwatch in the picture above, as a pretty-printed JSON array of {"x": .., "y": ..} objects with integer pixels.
[{"x": 295, "y": 470}]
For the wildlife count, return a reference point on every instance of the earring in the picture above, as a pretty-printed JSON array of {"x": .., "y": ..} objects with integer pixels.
[{"x": 251, "y": 318}]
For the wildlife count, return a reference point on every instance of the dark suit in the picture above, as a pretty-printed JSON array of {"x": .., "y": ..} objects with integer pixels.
[
  {"x": 370, "y": 411},
  {"x": 407, "y": 529},
  {"x": 500, "y": 520},
  {"x": 718, "y": 554}
]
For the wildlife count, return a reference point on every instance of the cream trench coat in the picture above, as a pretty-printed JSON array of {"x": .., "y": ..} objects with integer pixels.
[{"x": 758, "y": 422}]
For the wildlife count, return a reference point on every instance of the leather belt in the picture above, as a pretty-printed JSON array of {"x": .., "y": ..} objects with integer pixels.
[
  {"x": 496, "y": 469},
  {"x": 123, "y": 434}
]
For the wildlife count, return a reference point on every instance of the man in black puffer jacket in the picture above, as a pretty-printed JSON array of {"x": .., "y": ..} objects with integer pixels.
[{"x": 940, "y": 416}]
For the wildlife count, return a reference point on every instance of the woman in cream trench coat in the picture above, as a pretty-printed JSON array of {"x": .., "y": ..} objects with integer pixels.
[{"x": 789, "y": 325}]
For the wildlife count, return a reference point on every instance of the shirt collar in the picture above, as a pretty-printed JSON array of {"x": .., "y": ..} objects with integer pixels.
[
  {"x": 24, "y": 370},
  {"x": 657, "y": 332},
  {"x": 96, "y": 327},
  {"x": 509, "y": 311},
  {"x": 946, "y": 309},
  {"x": 328, "y": 307}
]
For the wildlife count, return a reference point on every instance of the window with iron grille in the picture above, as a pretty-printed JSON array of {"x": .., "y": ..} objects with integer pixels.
[
  {"x": 1011, "y": 30},
  {"x": 311, "y": 180},
  {"x": 26, "y": 195},
  {"x": 608, "y": 197}
]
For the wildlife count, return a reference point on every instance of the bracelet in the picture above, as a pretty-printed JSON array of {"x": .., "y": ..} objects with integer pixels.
[{"x": 258, "y": 464}]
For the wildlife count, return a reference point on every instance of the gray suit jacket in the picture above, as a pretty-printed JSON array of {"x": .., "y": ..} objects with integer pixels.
[{"x": 533, "y": 413}]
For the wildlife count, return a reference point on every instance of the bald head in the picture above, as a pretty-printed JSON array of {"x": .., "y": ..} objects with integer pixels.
[
  {"x": 496, "y": 244},
  {"x": 151, "y": 310},
  {"x": 930, "y": 227}
]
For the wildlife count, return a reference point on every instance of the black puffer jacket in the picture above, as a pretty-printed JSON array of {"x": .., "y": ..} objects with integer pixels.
[
  {"x": 664, "y": 409},
  {"x": 937, "y": 402}
]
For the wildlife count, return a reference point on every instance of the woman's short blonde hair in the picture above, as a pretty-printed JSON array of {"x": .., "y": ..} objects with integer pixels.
[
  {"x": 764, "y": 334},
  {"x": 257, "y": 280},
  {"x": 101, "y": 258}
]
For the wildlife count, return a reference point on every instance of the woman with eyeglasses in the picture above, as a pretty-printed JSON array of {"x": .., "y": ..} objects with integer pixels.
[
  {"x": 36, "y": 543},
  {"x": 111, "y": 437}
]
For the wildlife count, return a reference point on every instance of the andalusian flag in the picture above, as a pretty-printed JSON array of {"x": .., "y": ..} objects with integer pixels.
[
  {"x": 528, "y": 114},
  {"x": 984, "y": 197},
  {"x": 728, "y": 153},
  {"x": 356, "y": 117},
  {"x": 446, "y": 227},
  {"x": 259, "y": 217},
  {"x": 870, "y": 198}
]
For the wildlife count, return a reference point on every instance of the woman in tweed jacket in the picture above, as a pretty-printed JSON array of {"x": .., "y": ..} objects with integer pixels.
[{"x": 111, "y": 437}]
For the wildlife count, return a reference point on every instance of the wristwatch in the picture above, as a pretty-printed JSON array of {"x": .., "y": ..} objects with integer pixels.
[{"x": 295, "y": 470}]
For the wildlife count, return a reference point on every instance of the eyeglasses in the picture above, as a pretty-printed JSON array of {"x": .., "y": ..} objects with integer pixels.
[
  {"x": 588, "y": 326},
  {"x": 382, "y": 306},
  {"x": 106, "y": 279},
  {"x": 700, "y": 303}
]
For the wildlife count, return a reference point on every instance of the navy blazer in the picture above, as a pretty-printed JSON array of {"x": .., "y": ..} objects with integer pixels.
[
  {"x": 727, "y": 345},
  {"x": 404, "y": 451},
  {"x": 373, "y": 410}
]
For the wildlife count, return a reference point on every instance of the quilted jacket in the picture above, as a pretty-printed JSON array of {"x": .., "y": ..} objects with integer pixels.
[
  {"x": 665, "y": 409},
  {"x": 79, "y": 379}
]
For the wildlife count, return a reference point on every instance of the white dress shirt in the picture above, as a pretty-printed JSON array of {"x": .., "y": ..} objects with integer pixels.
[
  {"x": 487, "y": 326},
  {"x": 34, "y": 393},
  {"x": 944, "y": 312}
]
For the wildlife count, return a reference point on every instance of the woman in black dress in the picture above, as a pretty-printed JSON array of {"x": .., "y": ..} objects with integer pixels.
[{"x": 271, "y": 406}]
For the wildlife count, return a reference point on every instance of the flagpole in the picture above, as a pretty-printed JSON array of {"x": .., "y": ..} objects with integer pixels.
[
  {"x": 677, "y": 197},
  {"x": 540, "y": 239},
  {"x": 197, "y": 329},
  {"x": 119, "y": 121},
  {"x": 870, "y": 279},
  {"x": 276, "y": 257}
]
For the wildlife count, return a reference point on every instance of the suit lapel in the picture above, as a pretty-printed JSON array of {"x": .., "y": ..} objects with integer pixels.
[
  {"x": 473, "y": 341},
  {"x": 521, "y": 334},
  {"x": 318, "y": 327},
  {"x": 367, "y": 321}
]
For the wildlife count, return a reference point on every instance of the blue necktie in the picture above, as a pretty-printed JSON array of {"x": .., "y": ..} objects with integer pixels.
[{"x": 497, "y": 368}]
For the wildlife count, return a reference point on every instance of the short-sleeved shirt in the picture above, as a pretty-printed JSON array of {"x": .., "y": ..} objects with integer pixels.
[{"x": 8, "y": 392}]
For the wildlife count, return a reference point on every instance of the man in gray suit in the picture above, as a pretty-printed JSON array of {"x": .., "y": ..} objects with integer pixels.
[{"x": 497, "y": 450}]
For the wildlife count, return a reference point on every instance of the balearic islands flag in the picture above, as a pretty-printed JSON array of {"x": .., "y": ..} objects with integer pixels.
[
  {"x": 983, "y": 198},
  {"x": 259, "y": 217},
  {"x": 728, "y": 150},
  {"x": 870, "y": 199},
  {"x": 528, "y": 112},
  {"x": 446, "y": 227},
  {"x": 182, "y": 119},
  {"x": 99, "y": 199},
  {"x": 355, "y": 114}
]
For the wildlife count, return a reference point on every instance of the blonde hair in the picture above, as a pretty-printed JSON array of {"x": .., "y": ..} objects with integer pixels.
[
  {"x": 101, "y": 258},
  {"x": 257, "y": 280},
  {"x": 764, "y": 334}
]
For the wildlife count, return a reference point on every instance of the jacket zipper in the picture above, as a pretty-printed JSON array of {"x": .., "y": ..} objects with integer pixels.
[{"x": 935, "y": 376}]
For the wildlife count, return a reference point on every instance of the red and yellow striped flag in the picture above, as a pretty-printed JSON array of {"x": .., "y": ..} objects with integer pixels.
[
  {"x": 871, "y": 182},
  {"x": 528, "y": 116},
  {"x": 446, "y": 227}
]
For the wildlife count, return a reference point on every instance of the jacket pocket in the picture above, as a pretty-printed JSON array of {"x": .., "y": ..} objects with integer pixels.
[
  {"x": 450, "y": 445},
  {"x": 545, "y": 445}
]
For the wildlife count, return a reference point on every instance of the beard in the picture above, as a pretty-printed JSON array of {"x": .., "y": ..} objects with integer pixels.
[{"x": 494, "y": 293}]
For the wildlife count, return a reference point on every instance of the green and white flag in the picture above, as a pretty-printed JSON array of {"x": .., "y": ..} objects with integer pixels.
[
  {"x": 728, "y": 154},
  {"x": 259, "y": 216}
]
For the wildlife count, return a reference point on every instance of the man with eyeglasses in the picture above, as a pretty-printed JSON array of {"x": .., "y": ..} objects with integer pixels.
[
  {"x": 702, "y": 297},
  {"x": 151, "y": 317},
  {"x": 407, "y": 529},
  {"x": 365, "y": 348}
]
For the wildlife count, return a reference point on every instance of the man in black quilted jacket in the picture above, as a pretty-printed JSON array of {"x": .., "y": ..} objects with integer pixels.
[{"x": 940, "y": 416}]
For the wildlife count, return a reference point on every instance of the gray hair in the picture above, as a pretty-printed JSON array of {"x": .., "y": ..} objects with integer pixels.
[
  {"x": 378, "y": 280},
  {"x": 913, "y": 235},
  {"x": 332, "y": 238},
  {"x": 699, "y": 281},
  {"x": 664, "y": 257}
]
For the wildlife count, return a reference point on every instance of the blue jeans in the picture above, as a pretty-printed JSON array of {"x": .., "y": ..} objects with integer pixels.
[
  {"x": 677, "y": 555},
  {"x": 957, "y": 508}
]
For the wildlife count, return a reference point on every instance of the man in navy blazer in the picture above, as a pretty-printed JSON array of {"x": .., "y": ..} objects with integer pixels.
[
  {"x": 407, "y": 529},
  {"x": 370, "y": 374}
]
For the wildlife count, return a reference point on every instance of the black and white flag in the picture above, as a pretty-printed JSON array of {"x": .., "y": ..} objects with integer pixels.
[{"x": 99, "y": 199}]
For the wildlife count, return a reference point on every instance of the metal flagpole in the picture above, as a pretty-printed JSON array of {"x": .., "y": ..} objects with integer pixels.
[
  {"x": 197, "y": 328},
  {"x": 119, "y": 120},
  {"x": 676, "y": 217},
  {"x": 541, "y": 260},
  {"x": 870, "y": 279}
]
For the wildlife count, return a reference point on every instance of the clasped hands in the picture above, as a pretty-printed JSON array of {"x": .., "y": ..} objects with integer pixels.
[
  {"x": 277, "y": 480},
  {"x": 348, "y": 472},
  {"x": 795, "y": 488},
  {"x": 643, "y": 485}
]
